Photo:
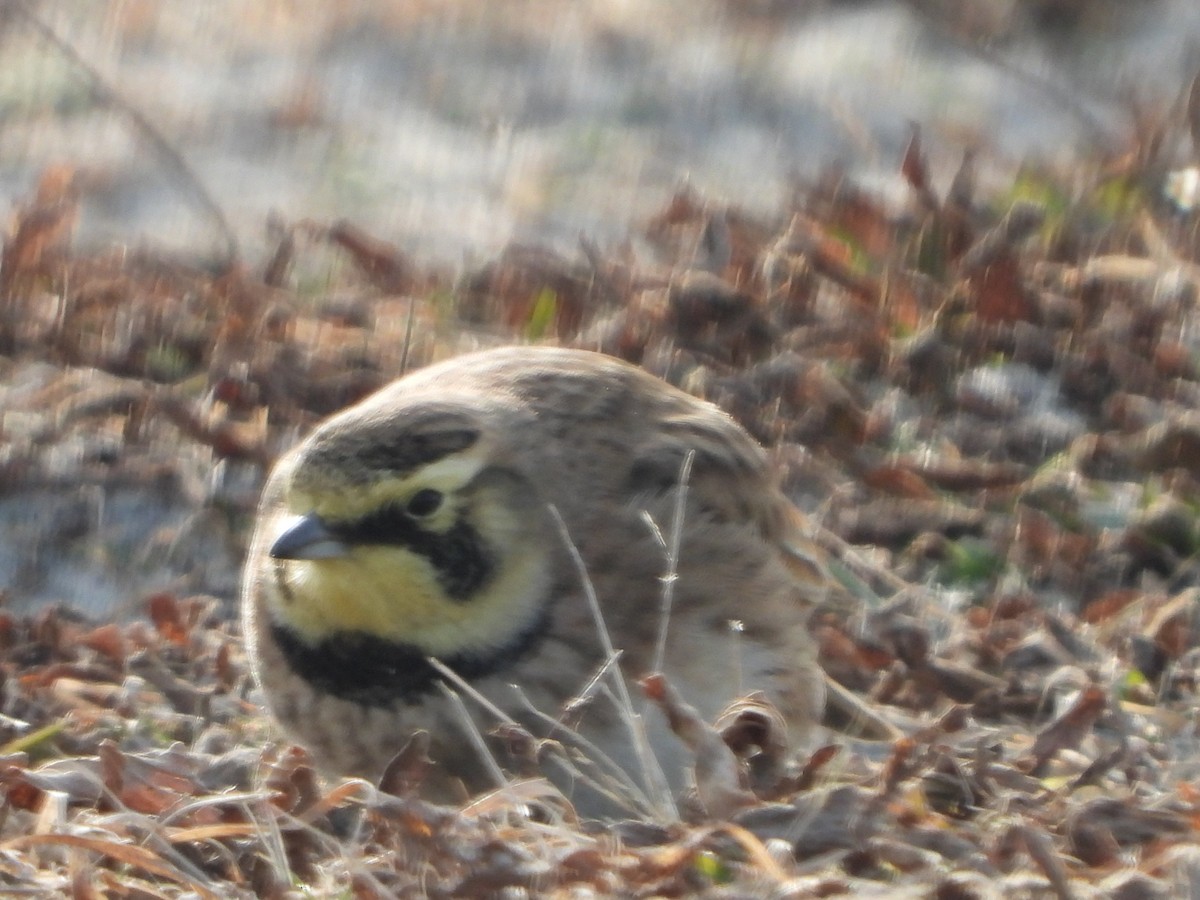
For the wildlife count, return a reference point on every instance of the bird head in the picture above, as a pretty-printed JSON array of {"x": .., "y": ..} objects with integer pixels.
[{"x": 402, "y": 525}]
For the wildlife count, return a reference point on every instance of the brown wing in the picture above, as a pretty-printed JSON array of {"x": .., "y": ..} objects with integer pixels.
[
  {"x": 731, "y": 480},
  {"x": 728, "y": 477}
]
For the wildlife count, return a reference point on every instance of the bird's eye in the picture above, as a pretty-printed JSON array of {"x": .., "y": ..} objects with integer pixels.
[{"x": 424, "y": 502}]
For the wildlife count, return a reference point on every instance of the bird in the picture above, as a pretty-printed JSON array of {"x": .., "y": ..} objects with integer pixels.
[{"x": 517, "y": 522}]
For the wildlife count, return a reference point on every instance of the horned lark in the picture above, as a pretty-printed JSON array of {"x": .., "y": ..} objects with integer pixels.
[{"x": 461, "y": 518}]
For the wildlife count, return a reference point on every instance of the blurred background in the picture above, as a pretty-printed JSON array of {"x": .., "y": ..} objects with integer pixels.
[{"x": 455, "y": 127}]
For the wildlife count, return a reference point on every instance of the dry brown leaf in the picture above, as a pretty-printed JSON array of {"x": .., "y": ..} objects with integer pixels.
[
  {"x": 898, "y": 480},
  {"x": 165, "y": 612},
  {"x": 383, "y": 263},
  {"x": 409, "y": 767},
  {"x": 1000, "y": 295},
  {"x": 107, "y": 640},
  {"x": 720, "y": 782},
  {"x": 1174, "y": 624},
  {"x": 916, "y": 171},
  {"x": 1068, "y": 730}
]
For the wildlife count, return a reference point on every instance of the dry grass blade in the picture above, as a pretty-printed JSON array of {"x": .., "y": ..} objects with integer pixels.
[
  {"x": 457, "y": 680},
  {"x": 672, "y": 548},
  {"x": 656, "y": 783},
  {"x": 1042, "y": 851},
  {"x": 601, "y": 772},
  {"x": 221, "y": 831},
  {"x": 1193, "y": 115},
  {"x": 128, "y": 854},
  {"x": 472, "y": 733}
]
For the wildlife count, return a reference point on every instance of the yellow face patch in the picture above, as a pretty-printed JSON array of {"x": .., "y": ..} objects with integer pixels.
[
  {"x": 394, "y": 594},
  {"x": 388, "y": 592}
]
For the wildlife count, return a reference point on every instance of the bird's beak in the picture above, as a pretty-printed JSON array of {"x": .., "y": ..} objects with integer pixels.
[{"x": 307, "y": 537}]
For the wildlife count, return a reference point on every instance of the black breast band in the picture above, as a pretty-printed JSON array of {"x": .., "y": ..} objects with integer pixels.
[{"x": 375, "y": 671}]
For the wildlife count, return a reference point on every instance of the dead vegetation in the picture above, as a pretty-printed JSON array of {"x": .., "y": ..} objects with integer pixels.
[{"x": 989, "y": 405}]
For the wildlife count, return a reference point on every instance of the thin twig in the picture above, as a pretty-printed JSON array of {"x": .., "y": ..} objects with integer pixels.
[
  {"x": 672, "y": 575},
  {"x": 168, "y": 156},
  {"x": 655, "y": 780},
  {"x": 472, "y": 732},
  {"x": 267, "y": 828},
  {"x": 501, "y": 716},
  {"x": 409, "y": 325},
  {"x": 459, "y": 682},
  {"x": 610, "y": 780}
]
